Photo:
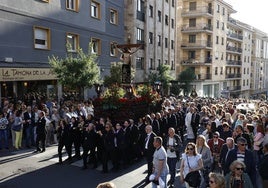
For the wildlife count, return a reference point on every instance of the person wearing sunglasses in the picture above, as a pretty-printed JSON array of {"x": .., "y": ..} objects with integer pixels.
[
  {"x": 216, "y": 180},
  {"x": 237, "y": 177},
  {"x": 191, "y": 160},
  {"x": 241, "y": 153}
]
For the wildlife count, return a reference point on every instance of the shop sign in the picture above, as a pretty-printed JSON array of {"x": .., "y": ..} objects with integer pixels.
[{"x": 24, "y": 74}]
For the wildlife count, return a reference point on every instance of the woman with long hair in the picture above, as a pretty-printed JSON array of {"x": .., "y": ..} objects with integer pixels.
[
  {"x": 191, "y": 161},
  {"x": 204, "y": 150},
  {"x": 216, "y": 180}
]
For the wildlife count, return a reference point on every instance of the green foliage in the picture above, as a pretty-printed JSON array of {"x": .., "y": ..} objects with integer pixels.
[
  {"x": 162, "y": 75},
  {"x": 77, "y": 70},
  {"x": 185, "y": 78}
]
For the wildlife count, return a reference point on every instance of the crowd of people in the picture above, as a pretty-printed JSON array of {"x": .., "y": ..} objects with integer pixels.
[{"x": 226, "y": 145}]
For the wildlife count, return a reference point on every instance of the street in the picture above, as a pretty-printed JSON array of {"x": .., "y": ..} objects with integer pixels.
[{"x": 21, "y": 169}]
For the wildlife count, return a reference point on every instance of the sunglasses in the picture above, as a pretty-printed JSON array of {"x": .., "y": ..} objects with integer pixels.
[
  {"x": 211, "y": 182},
  {"x": 215, "y": 137},
  {"x": 243, "y": 144},
  {"x": 240, "y": 169},
  {"x": 190, "y": 148}
]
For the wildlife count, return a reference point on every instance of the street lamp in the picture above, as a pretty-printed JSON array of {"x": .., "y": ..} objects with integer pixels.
[{"x": 98, "y": 89}]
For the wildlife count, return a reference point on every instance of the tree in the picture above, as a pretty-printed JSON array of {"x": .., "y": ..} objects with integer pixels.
[
  {"x": 162, "y": 75},
  {"x": 185, "y": 78},
  {"x": 77, "y": 70}
]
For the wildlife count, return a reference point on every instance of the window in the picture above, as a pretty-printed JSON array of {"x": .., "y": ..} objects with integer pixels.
[
  {"x": 159, "y": 16},
  {"x": 166, "y": 42},
  {"x": 192, "y": 6},
  {"x": 173, "y": 3},
  {"x": 139, "y": 62},
  {"x": 222, "y": 26},
  {"x": 140, "y": 5},
  {"x": 191, "y": 55},
  {"x": 113, "y": 51},
  {"x": 218, "y": 24},
  {"x": 216, "y": 70},
  {"x": 151, "y": 64},
  {"x": 166, "y": 19},
  {"x": 73, "y": 42},
  {"x": 151, "y": 11},
  {"x": 222, "y": 40},
  {"x": 140, "y": 35},
  {"x": 223, "y": 11},
  {"x": 159, "y": 40},
  {"x": 218, "y": 8},
  {"x": 41, "y": 38},
  {"x": 221, "y": 72},
  {"x": 95, "y": 9},
  {"x": 192, "y": 22},
  {"x": 172, "y": 23},
  {"x": 172, "y": 65},
  {"x": 113, "y": 16},
  {"x": 217, "y": 39},
  {"x": 96, "y": 46},
  {"x": 72, "y": 5},
  {"x": 150, "y": 38},
  {"x": 159, "y": 63},
  {"x": 46, "y": 1},
  {"x": 172, "y": 44},
  {"x": 192, "y": 38}
]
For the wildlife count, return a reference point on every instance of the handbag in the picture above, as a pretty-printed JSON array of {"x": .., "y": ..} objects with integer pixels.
[{"x": 193, "y": 178}]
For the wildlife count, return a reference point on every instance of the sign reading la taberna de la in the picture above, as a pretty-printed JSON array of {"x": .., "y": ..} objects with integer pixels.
[{"x": 23, "y": 74}]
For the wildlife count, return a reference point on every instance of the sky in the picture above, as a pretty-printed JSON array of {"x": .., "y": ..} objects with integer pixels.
[{"x": 252, "y": 12}]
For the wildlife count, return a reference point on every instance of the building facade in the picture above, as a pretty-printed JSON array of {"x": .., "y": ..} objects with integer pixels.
[
  {"x": 153, "y": 23},
  {"x": 32, "y": 31}
]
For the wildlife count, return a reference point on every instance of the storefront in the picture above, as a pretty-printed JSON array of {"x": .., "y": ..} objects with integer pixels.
[{"x": 24, "y": 83}]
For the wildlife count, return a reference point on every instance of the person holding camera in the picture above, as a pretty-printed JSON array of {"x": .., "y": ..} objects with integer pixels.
[{"x": 172, "y": 144}]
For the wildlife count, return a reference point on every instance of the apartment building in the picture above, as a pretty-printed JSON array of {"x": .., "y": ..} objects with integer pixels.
[
  {"x": 259, "y": 64},
  {"x": 153, "y": 23},
  {"x": 203, "y": 44},
  {"x": 33, "y": 30}
]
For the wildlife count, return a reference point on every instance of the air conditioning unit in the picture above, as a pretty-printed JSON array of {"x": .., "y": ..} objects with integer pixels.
[{"x": 8, "y": 59}]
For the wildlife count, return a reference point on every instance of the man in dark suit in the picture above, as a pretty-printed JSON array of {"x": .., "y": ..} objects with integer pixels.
[
  {"x": 27, "y": 126},
  {"x": 245, "y": 155},
  {"x": 149, "y": 150},
  {"x": 228, "y": 146},
  {"x": 41, "y": 132},
  {"x": 263, "y": 166}
]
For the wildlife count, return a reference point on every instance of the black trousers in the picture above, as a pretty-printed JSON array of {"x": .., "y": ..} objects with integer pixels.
[
  {"x": 41, "y": 138},
  {"x": 67, "y": 147}
]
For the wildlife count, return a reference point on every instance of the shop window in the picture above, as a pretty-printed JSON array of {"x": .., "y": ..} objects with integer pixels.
[
  {"x": 72, "y": 5},
  {"x": 41, "y": 38},
  {"x": 73, "y": 42},
  {"x": 96, "y": 46},
  {"x": 95, "y": 10}
]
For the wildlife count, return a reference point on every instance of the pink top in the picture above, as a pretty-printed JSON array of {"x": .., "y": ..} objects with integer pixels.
[{"x": 258, "y": 139}]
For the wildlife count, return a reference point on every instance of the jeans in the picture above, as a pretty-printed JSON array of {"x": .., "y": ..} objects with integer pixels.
[
  {"x": 172, "y": 168},
  {"x": 3, "y": 135}
]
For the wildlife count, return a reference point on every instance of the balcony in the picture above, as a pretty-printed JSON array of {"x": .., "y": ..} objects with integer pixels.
[
  {"x": 234, "y": 62},
  {"x": 197, "y": 28},
  {"x": 201, "y": 77},
  {"x": 234, "y": 49},
  {"x": 234, "y": 88},
  {"x": 235, "y": 36},
  {"x": 199, "y": 11},
  {"x": 195, "y": 62},
  {"x": 233, "y": 75},
  {"x": 198, "y": 44}
]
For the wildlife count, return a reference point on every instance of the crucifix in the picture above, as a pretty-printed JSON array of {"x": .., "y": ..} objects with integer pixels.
[{"x": 127, "y": 50}]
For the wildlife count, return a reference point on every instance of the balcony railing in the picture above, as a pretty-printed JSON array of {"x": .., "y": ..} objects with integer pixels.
[
  {"x": 203, "y": 76},
  {"x": 235, "y": 35},
  {"x": 234, "y": 62},
  {"x": 234, "y": 49},
  {"x": 195, "y": 62},
  {"x": 196, "y": 44},
  {"x": 201, "y": 27},
  {"x": 234, "y": 88},
  {"x": 233, "y": 75},
  {"x": 197, "y": 11}
]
